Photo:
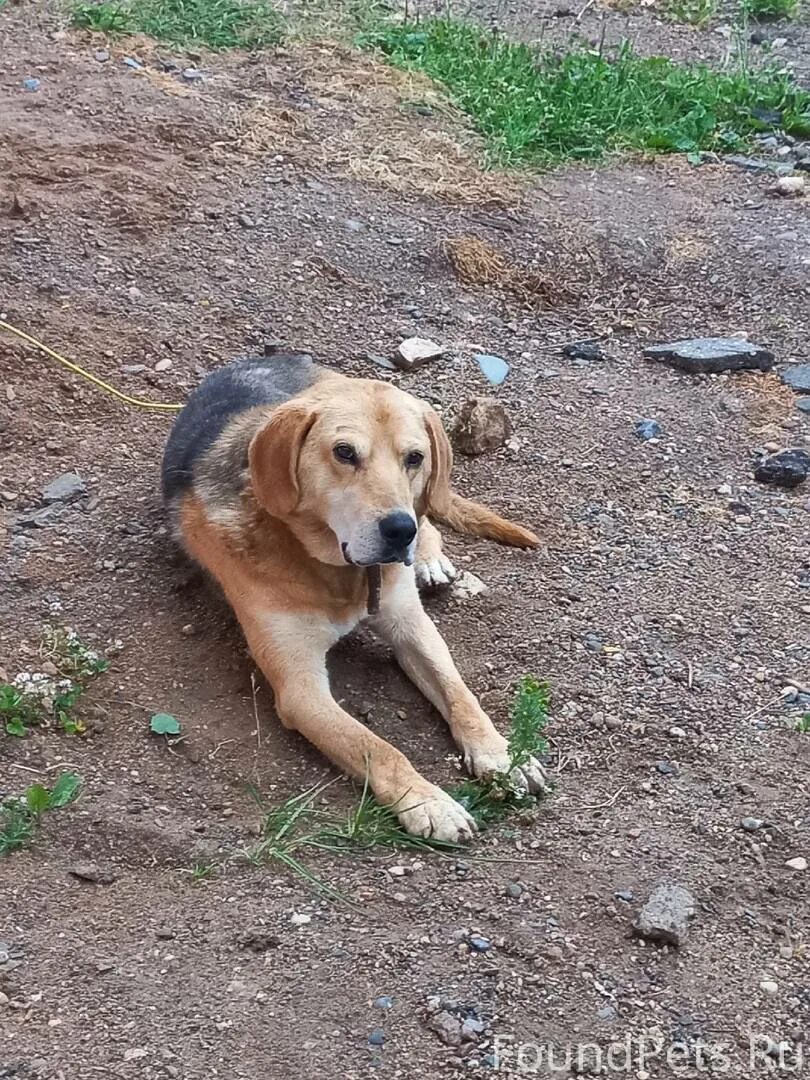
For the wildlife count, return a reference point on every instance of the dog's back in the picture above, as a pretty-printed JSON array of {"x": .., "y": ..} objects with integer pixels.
[{"x": 220, "y": 398}]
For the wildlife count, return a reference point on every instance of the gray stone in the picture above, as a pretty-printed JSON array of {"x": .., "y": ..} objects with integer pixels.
[
  {"x": 64, "y": 488},
  {"x": 447, "y": 1027},
  {"x": 514, "y": 890},
  {"x": 376, "y": 1038},
  {"x": 803, "y": 404},
  {"x": 471, "y": 1028},
  {"x": 752, "y": 824},
  {"x": 96, "y": 875},
  {"x": 42, "y": 518},
  {"x": 708, "y": 356},
  {"x": 797, "y": 377},
  {"x": 583, "y": 350},
  {"x": 482, "y": 425},
  {"x": 415, "y": 351},
  {"x": 787, "y": 469},
  {"x": 666, "y": 915},
  {"x": 760, "y": 165},
  {"x": 478, "y": 943}
]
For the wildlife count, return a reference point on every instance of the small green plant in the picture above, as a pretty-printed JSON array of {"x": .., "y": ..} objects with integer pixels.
[
  {"x": 48, "y": 698},
  {"x": 802, "y": 725},
  {"x": 201, "y": 871},
  {"x": 539, "y": 109},
  {"x": 215, "y": 24},
  {"x": 771, "y": 10},
  {"x": 300, "y": 825},
  {"x": 695, "y": 12},
  {"x": 20, "y": 817}
]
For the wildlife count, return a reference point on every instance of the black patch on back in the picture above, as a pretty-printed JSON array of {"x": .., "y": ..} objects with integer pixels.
[{"x": 221, "y": 396}]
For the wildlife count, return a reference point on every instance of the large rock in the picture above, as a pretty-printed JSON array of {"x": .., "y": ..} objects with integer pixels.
[
  {"x": 64, "y": 488},
  {"x": 708, "y": 356},
  {"x": 786, "y": 469},
  {"x": 415, "y": 351},
  {"x": 482, "y": 425},
  {"x": 666, "y": 915},
  {"x": 797, "y": 377}
]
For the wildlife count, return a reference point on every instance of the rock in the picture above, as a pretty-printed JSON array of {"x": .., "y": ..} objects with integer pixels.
[
  {"x": 466, "y": 586},
  {"x": 447, "y": 1027},
  {"x": 769, "y": 117},
  {"x": 665, "y": 917},
  {"x": 583, "y": 350},
  {"x": 97, "y": 875},
  {"x": 786, "y": 469},
  {"x": 131, "y": 62},
  {"x": 354, "y": 225},
  {"x": 191, "y": 74},
  {"x": 64, "y": 488},
  {"x": 676, "y": 732},
  {"x": 384, "y": 1002},
  {"x": 163, "y": 365},
  {"x": 626, "y": 895},
  {"x": 478, "y": 943},
  {"x": 648, "y": 429},
  {"x": 32, "y": 85},
  {"x": 666, "y": 768},
  {"x": 300, "y": 919},
  {"x": 415, "y": 351},
  {"x": 376, "y": 1038},
  {"x": 752, "y": 824},
  {"x": 471, "y": 1028},
  {"x": 493, "y": 367},
  {"x": 768, "y": 986},
  {"x": 799, "y": 863},
  {"x": 797, "y": 377},
  {"x": 708, "y": 356},
  {"x": 514, "y": 890},
  {"x": 803, "y": 404},
  {"x": 246, "y": 221},
  {"x": 790, "y": 186},
  {"x": 759, "y": 165},
  {"x": 132, "y": 369},
  {"x": 101, "y": 56},
  {"x": 135, "y": 1054},
  {"x": 607, "y": 1012},
  {"x": 482, "y": 425}
]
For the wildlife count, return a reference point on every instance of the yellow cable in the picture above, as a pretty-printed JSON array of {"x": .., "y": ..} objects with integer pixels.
[{"x": 88, "y": 375}]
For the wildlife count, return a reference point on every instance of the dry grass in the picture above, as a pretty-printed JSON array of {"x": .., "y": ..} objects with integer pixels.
[
  {"x": 386, "y": 127},
  {"x": 768, "y": 396},
  {"x": 475, "y": 262}
]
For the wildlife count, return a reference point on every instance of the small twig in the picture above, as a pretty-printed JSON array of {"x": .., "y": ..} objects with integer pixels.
[
  {"x": 602, "y": 805},
  {"x": 585, "y": 8},
  {"x": 691, "y": 676},
  {"x": 218, "y": 747}
]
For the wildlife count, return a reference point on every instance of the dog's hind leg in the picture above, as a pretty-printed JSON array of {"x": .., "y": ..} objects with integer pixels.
[{"x": 432, "y": 566}]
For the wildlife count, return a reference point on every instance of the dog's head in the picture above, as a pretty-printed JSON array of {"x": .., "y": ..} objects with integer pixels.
[{"x": 352, "y": 471}]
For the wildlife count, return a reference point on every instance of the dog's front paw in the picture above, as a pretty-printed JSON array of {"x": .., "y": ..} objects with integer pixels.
[
  {"x": 433, "y": 814},
  {"x": 431, "y": 573},
  {"x": 485, "y": 761}
]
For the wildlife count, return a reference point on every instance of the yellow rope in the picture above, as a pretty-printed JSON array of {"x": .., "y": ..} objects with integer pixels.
[{"x": 88, "y": 375}]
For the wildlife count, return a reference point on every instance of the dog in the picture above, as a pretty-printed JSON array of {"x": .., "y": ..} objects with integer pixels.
[{"x": 289, "y": 484}]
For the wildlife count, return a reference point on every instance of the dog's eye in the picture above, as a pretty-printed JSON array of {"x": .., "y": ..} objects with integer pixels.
[
  {"x": 345, "y": 453},
  {"x": 414, "y": 460}
]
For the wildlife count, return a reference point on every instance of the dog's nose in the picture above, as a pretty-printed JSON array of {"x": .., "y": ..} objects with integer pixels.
[{"x": 398, "y": 529}]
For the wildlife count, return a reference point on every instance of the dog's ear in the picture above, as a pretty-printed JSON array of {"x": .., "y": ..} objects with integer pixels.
[
  {"x": 437, "y": 488},
  {"x": 273, "y": 457}
]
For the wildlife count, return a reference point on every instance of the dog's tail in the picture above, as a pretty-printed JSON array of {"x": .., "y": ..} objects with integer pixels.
[{"x": 466, "y": 516}]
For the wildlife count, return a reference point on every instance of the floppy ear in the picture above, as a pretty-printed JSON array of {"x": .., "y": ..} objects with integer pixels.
[
  {"x": 437, "y": 489},
  {"x": 273, "y": 458}
]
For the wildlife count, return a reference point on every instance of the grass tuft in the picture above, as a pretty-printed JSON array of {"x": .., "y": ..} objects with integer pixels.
[
  {"x": 771, "y": 10},
  {"x": 802, "y": 725},
  {"x": 541, "y": 109},
  {"x": 694, "y": 12},
  {"x": 214, "y": 24},
  {"x": 20, "y": 817}
]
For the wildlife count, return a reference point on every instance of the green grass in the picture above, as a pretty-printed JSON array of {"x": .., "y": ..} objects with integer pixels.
[
  {"x": 541, "y": 109},
  {"x": 49, "y": 698},
  {"x": 695, "y": 12},
  {"x": 20, "y": 817},
  {"x": 303, "y": 826},
  {"x": 802, "y": 725},
  {"x": 771, "y": 10},
  {"x": 214, "y": 24}
]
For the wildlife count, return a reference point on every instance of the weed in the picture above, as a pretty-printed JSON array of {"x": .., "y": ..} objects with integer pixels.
[
  {"x": 217, "y": 24},
  {"x": 20, "y": 817},
  {"x": 201, "y": 871},
  {"x": 695, "y": 12},
  {"x": 802, "y": 725},
  {"x": 45, "y": 698},
  {"x": 299, "y": 825},
  {"x": 540, "y": 109},
  {"x": 771, "y": 10}
]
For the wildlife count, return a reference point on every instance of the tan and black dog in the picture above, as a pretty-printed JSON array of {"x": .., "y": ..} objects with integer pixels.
[{"x": 286, "y": 481}]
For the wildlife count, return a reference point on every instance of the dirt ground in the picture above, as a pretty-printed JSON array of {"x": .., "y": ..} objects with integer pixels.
[{"x": 303, "y": 197}]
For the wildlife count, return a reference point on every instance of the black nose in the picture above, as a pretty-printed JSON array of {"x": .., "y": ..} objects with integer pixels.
[{"x": 398, "y": 528}]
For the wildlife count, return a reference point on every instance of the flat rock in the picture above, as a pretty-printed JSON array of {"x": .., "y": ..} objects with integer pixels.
[
  {"x": 415, "y": 351},
  {"x": 786, "y": 469},
  {"x": 64, "y": 488},
  {"x": 467, "y": 585},
  {"x": 666, "y": 915},
  {"x": 482, "y": 425},
  {"x": 493, "y": 367},
  {"x": 708, "y": 356},
  {"x": 760, "y": 165},
  {"x": 797, "y": 377},
  {"x": 96, "y": 875},
  {"x": 803, "y": 404},
  {"x": 447, "y": 1027}
]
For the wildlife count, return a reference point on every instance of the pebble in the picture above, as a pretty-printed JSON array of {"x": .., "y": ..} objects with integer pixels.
[
  {"x": 163, "y": 365},
  {"x": 130, "y": 62},
  {"x": 97, "y": 875},
  {"x": 626, "y": 895},
  {"x": 447, "y": 1027},
  {"x": 466, "y": 586},
  {"x": 787, "y": 469},
  {"x": 471, "y": 1028},
  {"x": 300, "y": 919},
  {"x": 797, "y": 377},
  {"x": 799, "y": 863},
  {"x": 101, "y": 56},
  {"x": 384, "y": 1002},
  {"x": 64, "y": 488},
  {"x": 482, "y": 425},
  {"x": 666, "y": 768},
  {"x": 246, "y": 221},
  {"x": 376, "y": 1038},
  {"x": 752, "y": 824},
  {"x": 677, "y": 732},
  {"x": 191, "y": 74},
  {"x": 790, "y": 186},
  {"x": 514, "y": 890},
  {"x": 666, "y": 915},
  {"x": 583, "y": 350},
  {"x": 478, "y": 943},
  {"x": 648, "y": 429},
  {"x": 32, "y": 84},
  {"x": 708, "y": 356},
  {"x": 354, "y": 225},
  {"x": 768, "y": 986},
  {"x": 415, "y": 351},
  {"x": 494, "y": 368},
  {"x": 803, "y": 404}
]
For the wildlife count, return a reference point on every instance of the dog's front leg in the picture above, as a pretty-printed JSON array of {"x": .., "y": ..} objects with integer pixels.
[
  {"x": 291, "y": 651},
  {"x": 423, "y": 655}
]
